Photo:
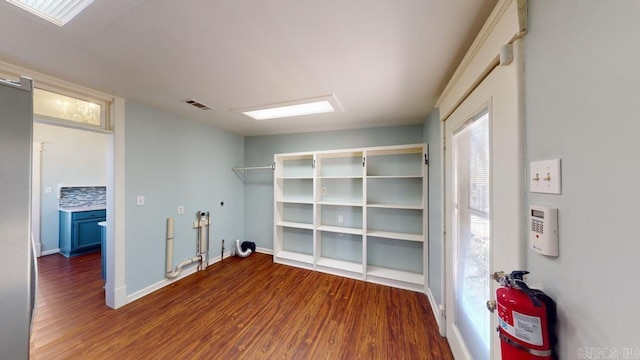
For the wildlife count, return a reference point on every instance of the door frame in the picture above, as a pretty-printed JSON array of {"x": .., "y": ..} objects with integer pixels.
[
  {"x": 36, "y": 181},
  {"x": 115, "y": 286},
  {"x": 501, "y": 92},
  {"x": 500, "y": 41}
]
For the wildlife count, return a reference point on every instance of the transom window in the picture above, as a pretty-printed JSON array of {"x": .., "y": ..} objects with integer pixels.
[{"x": 63, "y": 108}]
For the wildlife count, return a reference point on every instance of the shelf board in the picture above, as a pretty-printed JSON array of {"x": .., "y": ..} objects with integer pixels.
[
  {"x": 393, "y": 274},
  {"x": 340, "y": 264},
  {"x": 295, "y": 178},
  {"x": 296, "y": 225},
  {"x": 396, "y": 235},
  {"x": 329, "y": 154},
  {"x": 289, "y": 255},
  {"x": 341, "y": 177},
  {"x": 396, "y": 151},
  {"x": 339, "y": 203},
  {"x": 396, "y": 206},
  {"x": 295, "y": 156},
  {"x": 338, "y": 229},
  {"x": 295, "y": 201},
  {"x": 394, "y": 176}
]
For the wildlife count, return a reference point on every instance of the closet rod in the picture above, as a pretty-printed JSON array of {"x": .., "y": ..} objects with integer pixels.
[{"x": 272, "y": 167}]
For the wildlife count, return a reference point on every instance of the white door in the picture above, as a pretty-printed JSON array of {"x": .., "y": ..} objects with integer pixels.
[{"x": 483, "y": 174}]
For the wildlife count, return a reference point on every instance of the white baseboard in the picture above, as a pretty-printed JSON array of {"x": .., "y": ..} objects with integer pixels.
[
  {"x": 216, "y": 259},
  {"x": 264, "y": 251},
  {"x": 192, "y": 269},
  {"x": 115, "y": 297},
  {"x": 435, "y": 307},
  {"x": 160, "y": 284},
  {"x": 49, "y": 252},
  {"x": 185, "y": 272}
]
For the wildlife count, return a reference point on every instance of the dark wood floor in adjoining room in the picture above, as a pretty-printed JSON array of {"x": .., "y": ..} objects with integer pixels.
[{"x": 238, "y": 309}]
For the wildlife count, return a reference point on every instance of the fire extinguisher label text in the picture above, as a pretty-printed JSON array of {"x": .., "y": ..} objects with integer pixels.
[{"x": 527, "y": 328}]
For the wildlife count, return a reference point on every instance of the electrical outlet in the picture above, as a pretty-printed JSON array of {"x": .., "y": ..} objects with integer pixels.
[
  {"x": 323, "y": 191},
  {"x": 181, "y": 210},
  {"x": 340, "y": 219},
  {"x": 545, "y": 177},
  {"x": 140, "y": 200}
]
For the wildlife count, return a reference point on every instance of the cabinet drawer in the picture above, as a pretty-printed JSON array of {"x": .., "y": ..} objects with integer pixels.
[{"x": 89, "y": 214}]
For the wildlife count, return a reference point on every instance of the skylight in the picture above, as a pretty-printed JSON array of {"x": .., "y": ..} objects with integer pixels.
[
  {"x": 58, "y": 12},
  {"x": 312, "y": 106}
]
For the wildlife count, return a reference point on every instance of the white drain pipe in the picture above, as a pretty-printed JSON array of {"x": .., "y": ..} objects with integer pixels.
[
  {"x": 238, "y": 250},
  {"x": 169, "y": 257},
  {"x": 203, "y": 247}
]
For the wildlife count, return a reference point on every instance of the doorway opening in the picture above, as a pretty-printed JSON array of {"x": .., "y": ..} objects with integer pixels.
[{"x": 70, "y": 175}]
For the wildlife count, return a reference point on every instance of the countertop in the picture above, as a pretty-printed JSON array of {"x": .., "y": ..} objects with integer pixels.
[{"x": 83, "y": 208}]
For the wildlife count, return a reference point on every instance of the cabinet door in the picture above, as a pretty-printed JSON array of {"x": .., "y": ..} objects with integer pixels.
[{"x": 86, "y": 234}]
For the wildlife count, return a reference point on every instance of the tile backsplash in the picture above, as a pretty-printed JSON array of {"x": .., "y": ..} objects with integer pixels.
[{"x": 72, "y": 196}]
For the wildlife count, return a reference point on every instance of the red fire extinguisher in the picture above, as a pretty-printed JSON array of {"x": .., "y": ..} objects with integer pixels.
[{"x": 526, "y": 319}]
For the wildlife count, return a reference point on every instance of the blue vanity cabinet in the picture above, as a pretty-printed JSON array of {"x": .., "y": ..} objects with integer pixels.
[{"x": 79, "y": 231}]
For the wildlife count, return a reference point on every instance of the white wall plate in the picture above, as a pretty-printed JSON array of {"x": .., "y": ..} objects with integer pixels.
[{"x": 545, "y": 177}]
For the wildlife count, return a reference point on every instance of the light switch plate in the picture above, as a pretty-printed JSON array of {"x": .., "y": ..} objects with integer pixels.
[
  {"x": 140, "y": 200},
  {"x": 545, "y": 177}
]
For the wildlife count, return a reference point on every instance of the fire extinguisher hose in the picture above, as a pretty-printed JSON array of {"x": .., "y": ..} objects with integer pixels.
[{"x": 540, "y": 353}]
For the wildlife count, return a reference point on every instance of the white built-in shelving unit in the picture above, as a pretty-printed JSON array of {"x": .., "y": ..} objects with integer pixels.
[{"x": 357, "y": 213}]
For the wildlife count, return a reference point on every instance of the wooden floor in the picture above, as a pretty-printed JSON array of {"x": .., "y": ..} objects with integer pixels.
[{"x": 239, "y": 309}]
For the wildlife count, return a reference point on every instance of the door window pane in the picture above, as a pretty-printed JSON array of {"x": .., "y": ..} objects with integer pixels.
[{"x": 472, "y": 239}]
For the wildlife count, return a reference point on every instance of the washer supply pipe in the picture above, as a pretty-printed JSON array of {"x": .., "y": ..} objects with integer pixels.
[
  {"x": 203, "y": 246},
  {"x": 203, "y": 237}
]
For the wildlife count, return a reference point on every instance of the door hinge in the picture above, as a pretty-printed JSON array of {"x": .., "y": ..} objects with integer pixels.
[
  {"x": 363, "y": 160},
  {"x": 426, "y": 159},
  {"x": 313, "y": 164}
]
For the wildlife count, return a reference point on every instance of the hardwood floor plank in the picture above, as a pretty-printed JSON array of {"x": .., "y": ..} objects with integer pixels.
[{"x": 238, "y": 309}]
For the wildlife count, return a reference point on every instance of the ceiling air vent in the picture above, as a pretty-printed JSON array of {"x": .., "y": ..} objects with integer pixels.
[{"x": 197, "y": 104}]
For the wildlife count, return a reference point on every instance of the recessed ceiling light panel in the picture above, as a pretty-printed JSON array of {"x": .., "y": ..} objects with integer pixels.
[
  {"x": 58, "y": 12},
  {"x": 319, "y": 105}
]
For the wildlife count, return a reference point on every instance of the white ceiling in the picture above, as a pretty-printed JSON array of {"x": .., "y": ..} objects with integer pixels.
[{"x": 385, "y": 60}]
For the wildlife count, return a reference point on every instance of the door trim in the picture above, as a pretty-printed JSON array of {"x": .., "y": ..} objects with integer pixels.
[
  {"x": 36, "y": 186},
  {"x": 502, "y": 91},
  {"x": 506, "y": 23}
]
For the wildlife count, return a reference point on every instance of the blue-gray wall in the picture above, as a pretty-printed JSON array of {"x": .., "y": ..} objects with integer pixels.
[
  {"x": 436, "y": 243},
  {"x": 582, "y": 89},
  {"x": 259, "y": 151},
  {"x": 174, "y": 161}
]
